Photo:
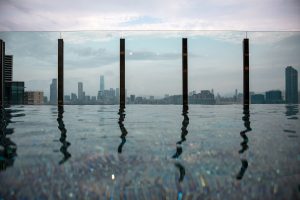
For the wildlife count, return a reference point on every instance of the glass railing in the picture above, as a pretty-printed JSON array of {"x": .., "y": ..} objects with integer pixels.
[{"x": 154, "y": 65}]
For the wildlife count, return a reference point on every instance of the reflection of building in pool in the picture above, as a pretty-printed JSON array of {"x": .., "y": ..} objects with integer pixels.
[{"x": 8, "y": 149}]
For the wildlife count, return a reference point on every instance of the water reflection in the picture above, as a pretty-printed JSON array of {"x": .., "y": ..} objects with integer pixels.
[
  {"x": 8, "y": 149},
  {"x": 179, "y": 151},
  {"x": 292, "y": 111},
  {"x": 63, "y": 136},
  {"x": 122, "y": 128},
  {"x": 291, "y": 114},
  {"x": 244, "y": 143},
  {"x": 184, "y": 132}
]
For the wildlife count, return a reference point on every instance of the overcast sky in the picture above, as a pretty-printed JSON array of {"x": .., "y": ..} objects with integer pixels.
[{"x": 153, "y": 59}]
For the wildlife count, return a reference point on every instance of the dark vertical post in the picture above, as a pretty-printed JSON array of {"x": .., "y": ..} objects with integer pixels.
[
  {"x": 184, "y": 73},
  {"x": 122, "y": 72},
  {"x": 60, "y": 94},
  {"x": 246, "y": 71},
  {"x": 1, "y": 72}
]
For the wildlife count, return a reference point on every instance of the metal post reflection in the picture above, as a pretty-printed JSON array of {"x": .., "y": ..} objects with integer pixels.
[
  {"x": 179, "y": 151},
  {"x": 122, "y": 128},
  {"x": 63, "y": 136},
  {"x": 244, "y": 143},
  {"x": 184, "y": 132}
]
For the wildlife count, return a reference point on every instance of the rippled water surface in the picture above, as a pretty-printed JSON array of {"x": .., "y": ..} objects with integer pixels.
[{"x": 150, "y": 152}]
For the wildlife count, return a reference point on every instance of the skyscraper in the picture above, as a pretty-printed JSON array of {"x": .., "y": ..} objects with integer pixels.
[
  {"x": 8, "y": 68},
  {"x": 118, "y": 93},
  {"x": 273, "y": 97},
  {"x": 53, "y": 92},
  {"x": 2, "y": 50},
  {"x": 80, "y": 91},
  {"x": 102, "y": 83},
  {"x": 291, "y": 85}
]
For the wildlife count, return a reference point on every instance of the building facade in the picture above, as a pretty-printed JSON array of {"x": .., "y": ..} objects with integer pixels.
[
  {"x": 102, "y": 83},
  {"x": 14, "y": 92},
  {"x": 2, "y": 87},
  {"x": 8, "y": 68},
  {"x": 34, "y": 97},
  {"x": 80, "y": 91},
  {"x": 274, "y": 97},
  {"x": 291, "y": 85},
  {"x": 257, "y": 99},
  {"x": 204, "y": 97},
  {"x": 53, "y": 92}
]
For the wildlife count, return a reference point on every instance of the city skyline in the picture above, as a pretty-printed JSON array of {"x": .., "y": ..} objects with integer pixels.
[{"x": 111, "y": 96}]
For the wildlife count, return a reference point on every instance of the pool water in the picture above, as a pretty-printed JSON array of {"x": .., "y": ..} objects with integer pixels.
[{"x": 150, "y": 152}]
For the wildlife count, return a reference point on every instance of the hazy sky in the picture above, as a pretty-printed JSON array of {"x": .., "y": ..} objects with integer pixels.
[
  {"x": 155, "y": 14},
  {"x": 153, "y": 59}
]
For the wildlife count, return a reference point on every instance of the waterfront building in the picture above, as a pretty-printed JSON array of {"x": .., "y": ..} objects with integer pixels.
[
  {"x": 274, "y": 97},
  {"x": 80, "y": 91},
  {"x": 14, "y": 92},
  {"x": 102, "y": 83},
  {"x": 291, "y": 85},
  {"x": 257, "y": 99},
  {"x": 34, "y": 97},
  {"x": 8, "y": 68},
  {"x": 53, "y": 92}
]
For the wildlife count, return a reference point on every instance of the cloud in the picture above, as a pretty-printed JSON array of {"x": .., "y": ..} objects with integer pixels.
[{"x": 145, "y": 15}]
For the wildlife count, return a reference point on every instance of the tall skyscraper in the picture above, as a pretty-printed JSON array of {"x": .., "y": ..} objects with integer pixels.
[
  {"x": 53, "y": 92},
  {"x": 117, "y": 93},
  {"x": 80, "y": 91},
  {"x": 101, "y": 83},
  {"x": 8, "y": 68},
  {"x": 2, "y": 50},
  {"x": 291, "y": 85}
]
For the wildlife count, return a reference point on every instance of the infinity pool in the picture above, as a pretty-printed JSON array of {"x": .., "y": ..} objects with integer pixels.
[{"x": 150, "y": 152}]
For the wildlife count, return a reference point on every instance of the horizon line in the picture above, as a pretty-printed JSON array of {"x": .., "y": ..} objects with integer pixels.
[{"x": 155, "y": 30}]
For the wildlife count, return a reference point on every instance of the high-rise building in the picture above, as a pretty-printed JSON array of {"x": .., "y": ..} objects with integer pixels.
[
  {"x": 102, "y": 83},
  {"x": 291, "y": 85},
  {"x": 274, "y": 97},
  {"x": 8, "y": 68},
  {"x": 14, "y": 92},
  {"x": 53, "y": 92},
  {"x": 257, "y": 99},
  {"x": 2, "y": 87},
  {"x": 73, "y": 97},
  {"x": 67, "y": 98},
  {"x": 204, "y": 97},
  {"x": 118, "y": 93},
  {"x": 34, "y": 97},
  {"x": 80, "y": 91},
  {"x": 132, "y": 98},
  {"x": 45, "y": 100}
]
